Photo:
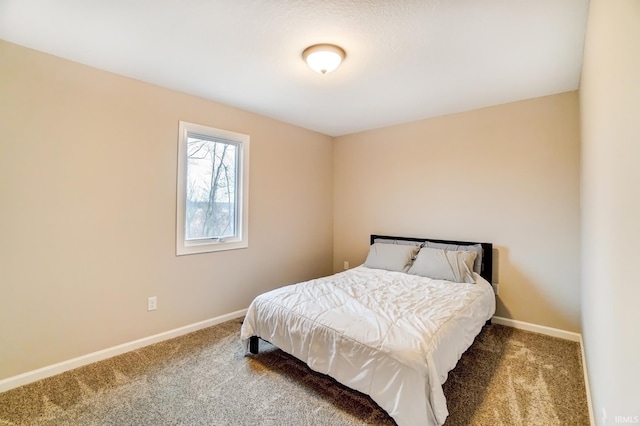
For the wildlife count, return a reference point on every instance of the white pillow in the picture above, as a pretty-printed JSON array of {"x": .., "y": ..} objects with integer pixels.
[
  {"x": 392, "y": 257},
  {"x": 442, "y": 264}
]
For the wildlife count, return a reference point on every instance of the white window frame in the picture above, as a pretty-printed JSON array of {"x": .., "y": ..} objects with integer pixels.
[{"x": 241, "y": 240}]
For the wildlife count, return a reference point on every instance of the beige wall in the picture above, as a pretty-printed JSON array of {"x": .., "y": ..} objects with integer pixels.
[
  {"x": 88, "y": 206},
  {"x": 610, "y": 124},
  {"x": 508, "y": 175}
]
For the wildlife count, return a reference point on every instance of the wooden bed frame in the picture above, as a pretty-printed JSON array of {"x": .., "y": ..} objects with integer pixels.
[{"x": 486, "y": 270}]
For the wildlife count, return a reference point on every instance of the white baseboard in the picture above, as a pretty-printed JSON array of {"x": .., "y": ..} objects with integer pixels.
[
  {"x": 554, "y": 332},
  {"x": 61, "y": 367},
  {"x": 592, "y": 421}
]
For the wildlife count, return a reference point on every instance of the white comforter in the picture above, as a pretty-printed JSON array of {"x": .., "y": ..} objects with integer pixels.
[{"x": 387, "y": 334}]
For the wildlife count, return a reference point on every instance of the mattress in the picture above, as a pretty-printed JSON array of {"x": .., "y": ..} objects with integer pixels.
[{"x": 390, "y": 335}]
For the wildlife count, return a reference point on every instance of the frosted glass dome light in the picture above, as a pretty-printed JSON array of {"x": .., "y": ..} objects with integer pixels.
[{"x": 323, "y": 58}]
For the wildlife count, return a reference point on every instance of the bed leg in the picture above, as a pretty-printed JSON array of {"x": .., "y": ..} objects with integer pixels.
[{"x": 253, "y": 344}]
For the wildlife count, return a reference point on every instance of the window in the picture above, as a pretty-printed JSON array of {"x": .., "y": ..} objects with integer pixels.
[{"x": 213, "y": 190}]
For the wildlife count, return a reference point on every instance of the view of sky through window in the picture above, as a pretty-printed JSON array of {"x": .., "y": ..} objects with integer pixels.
[{"x": 211, "y": 188}]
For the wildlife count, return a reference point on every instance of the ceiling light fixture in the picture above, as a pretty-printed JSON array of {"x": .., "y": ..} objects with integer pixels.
[{"x": 323, "y": 58}]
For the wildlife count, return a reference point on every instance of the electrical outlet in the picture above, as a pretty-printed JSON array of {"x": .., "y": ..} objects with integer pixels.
[
  {"x": 346, "y": 265},
  {"x": 495, "y": 288},
  {"x": 152, "y": 303}
]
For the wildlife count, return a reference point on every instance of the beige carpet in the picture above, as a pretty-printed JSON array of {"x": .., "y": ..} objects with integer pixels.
[{"x": 507, "y": 377}]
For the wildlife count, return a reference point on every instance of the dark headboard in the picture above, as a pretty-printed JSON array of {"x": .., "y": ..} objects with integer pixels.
[{"x": 487, "y": 251}]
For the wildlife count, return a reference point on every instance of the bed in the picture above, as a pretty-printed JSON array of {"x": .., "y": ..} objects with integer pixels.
[{"x": 391, "y": 328}]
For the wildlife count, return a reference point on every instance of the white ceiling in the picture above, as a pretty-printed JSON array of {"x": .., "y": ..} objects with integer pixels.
[{"x": 406, "y": 59}]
